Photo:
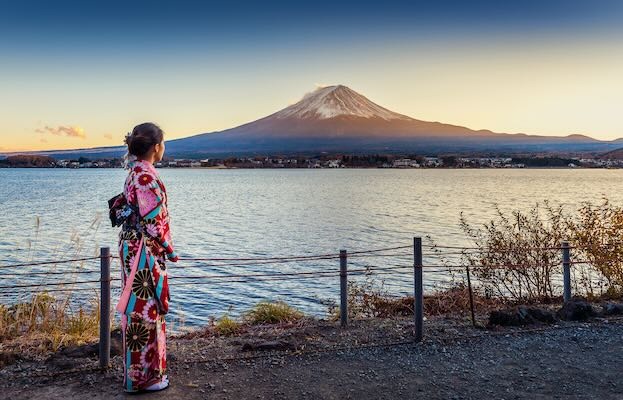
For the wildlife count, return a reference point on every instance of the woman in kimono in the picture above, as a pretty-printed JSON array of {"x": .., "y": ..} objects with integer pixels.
[{"x": 144, "y": 247}]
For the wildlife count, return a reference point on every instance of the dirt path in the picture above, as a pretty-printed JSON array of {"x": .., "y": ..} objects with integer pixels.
[{"x": 574, "y": 360}]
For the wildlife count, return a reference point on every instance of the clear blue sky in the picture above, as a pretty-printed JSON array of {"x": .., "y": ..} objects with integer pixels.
[{"x": 76, "y": 74}]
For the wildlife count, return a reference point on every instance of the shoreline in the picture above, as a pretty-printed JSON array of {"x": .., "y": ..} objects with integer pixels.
[
  {"x": 341, "y": 168},
  {"x": 370, "y": 359}
]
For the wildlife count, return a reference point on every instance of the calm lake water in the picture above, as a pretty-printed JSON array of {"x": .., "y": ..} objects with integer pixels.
[{"x": 57, "y": 213}]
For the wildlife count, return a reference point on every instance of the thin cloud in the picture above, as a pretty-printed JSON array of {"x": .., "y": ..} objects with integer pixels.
[
  {"x": 108, "y": 136},
  {"x": 70, "y": 131}
]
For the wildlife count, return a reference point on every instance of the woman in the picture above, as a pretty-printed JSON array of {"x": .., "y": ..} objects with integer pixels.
[{"x": 144, "y": 246}]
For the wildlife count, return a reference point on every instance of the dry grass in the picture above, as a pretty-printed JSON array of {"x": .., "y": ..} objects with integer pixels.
[
  {"x": 277, "y": 315},
  {"x": 276, "y": 312},
  {"x": 227, "y": 326},
  {"x": 43, "y": 322},
  {"x": 369, "y": 299},
  {"x": 46, "y": 323}
]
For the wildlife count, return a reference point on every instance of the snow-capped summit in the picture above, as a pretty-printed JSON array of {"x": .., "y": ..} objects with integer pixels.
[{"x": 333, "y": 101}]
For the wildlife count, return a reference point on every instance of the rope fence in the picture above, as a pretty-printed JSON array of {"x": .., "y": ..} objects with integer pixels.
[
  {"x": 246, "y": 261},
  {"x": 415, "y": 268}
]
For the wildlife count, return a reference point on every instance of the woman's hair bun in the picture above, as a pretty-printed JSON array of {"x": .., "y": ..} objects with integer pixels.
[
  {"x": 128, "y": 139},
  {"x": 142, "y": 138}
]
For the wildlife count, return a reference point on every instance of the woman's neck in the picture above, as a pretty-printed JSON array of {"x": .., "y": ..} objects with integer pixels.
[{"x": 147, "y": 159}]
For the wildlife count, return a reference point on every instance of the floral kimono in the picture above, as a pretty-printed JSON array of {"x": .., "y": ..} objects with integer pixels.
[{"x": 144, "y": 245}]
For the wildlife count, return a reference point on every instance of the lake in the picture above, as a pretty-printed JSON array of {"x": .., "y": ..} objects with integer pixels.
[{"x": 60, "y": 213}]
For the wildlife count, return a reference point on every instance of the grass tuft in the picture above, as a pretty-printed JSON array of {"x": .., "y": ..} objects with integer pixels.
[
  {"x": 227, "y": 326},
  {"x": 266, "y": 312}
]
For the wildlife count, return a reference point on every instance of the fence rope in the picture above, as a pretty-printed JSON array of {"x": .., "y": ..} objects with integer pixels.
[
  {"x": 48, "y": 284},
  {"x": 485, "y": 249},
  {"x": 49, "y": 273},
  {"x": 330, "y": 272},
  {"x": 304, "y": 257},
  {"x": 31, "y": 264},
  {"x": 246, "y": 277}
]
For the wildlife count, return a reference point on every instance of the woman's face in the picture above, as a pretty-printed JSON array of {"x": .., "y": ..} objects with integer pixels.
[{"x": 159, "y": 151}]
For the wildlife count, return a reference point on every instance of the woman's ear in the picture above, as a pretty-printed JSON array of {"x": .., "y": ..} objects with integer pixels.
[{"x": 159, "y": 151}]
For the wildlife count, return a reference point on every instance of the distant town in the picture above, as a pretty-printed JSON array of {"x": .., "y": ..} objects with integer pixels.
[{"x": 327, "y": 161}]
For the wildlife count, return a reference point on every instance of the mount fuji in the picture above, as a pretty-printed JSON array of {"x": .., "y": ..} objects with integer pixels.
[{"x": 338, "y": 119}]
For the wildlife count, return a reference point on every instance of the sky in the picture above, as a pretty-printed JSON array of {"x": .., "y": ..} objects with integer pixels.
[{"x": 77, "y": 74}]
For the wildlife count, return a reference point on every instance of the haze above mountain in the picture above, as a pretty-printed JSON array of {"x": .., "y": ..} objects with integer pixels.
[{"x": 338, "y": 119}]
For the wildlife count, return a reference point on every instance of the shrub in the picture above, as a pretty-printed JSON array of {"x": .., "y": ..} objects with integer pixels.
[
  {"x": 517, "y": 253},
  {"x": 597, "y": 232}
]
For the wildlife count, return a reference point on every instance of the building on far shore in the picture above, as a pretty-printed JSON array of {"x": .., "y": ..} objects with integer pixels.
[
  {"x": 405, "y": 163},
  {"x": 433, "y": 162}
]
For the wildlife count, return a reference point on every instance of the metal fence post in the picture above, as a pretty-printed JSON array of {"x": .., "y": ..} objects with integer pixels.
[
  {"x": 418, "y": 289},
  {"x": 471, "y": 297},
  {"x": 566, "y": 271},
  {"x": 104, "y": 345},
  {"x": 343, "y": 289}
]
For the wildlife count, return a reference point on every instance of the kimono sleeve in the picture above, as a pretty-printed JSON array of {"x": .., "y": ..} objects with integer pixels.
[{"x": 154, "y": 214}]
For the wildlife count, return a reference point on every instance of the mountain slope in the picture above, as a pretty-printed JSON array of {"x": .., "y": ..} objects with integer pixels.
[{"x": 613, "y": 155}]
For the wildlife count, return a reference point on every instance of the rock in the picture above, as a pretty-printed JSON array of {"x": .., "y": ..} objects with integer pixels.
[
  {"x": 8, "y": 358},
  {"x": 576, "y": 310},
  {"x": 521, "y": 316},
  {"x": 62, "y": 362},
  {"x": 503, "y": 318},
  {"x": 540, "y": 315},
  {"x": 268, "y": 346},
  {"x": 69, "y": 356},
  {"x": 84, "y": 351},
  {"x": 612, "y": 309}
]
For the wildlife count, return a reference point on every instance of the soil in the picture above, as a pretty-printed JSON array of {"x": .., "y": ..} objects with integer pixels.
[{"x": 371, "y": 359}]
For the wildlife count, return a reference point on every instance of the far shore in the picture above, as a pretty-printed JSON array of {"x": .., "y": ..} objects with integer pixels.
[
  {"x": 334, "y": 161},
  {"x": 222, "y": 167}
]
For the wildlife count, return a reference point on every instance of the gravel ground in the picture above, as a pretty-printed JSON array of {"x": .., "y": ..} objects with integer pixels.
[{"x": 320, "y": 361}]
